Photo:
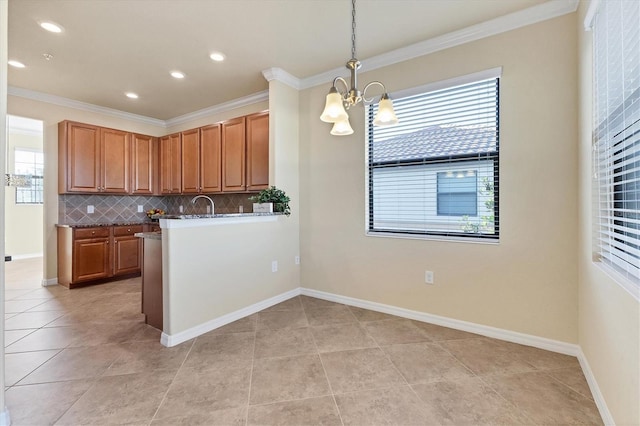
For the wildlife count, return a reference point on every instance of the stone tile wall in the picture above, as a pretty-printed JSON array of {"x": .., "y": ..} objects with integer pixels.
[{"x": 72, "y": 209}]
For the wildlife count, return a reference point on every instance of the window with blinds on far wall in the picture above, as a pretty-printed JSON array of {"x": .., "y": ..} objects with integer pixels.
[
  {"x": 436, "y": 174},
  {"x": 616, "y": 138}
]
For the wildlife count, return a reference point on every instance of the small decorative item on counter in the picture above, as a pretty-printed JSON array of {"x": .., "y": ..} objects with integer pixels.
[
  {"x": 273, "y": 195},
  {"x": 154, "y": 213}
]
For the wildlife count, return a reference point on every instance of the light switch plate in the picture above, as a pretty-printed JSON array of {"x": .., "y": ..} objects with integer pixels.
[
  {"x": 140, "y": 209},
  {"x": 90, "y": 209}
]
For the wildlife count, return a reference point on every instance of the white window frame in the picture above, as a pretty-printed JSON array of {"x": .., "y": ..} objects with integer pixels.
[
  {"x": 41, "y": 177},
  {"x": 443, "y": 84}
]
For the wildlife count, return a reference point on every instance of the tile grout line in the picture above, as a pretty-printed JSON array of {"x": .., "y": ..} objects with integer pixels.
[
  {"x": 164, "y": 397},
  {"x": 253, "y": 363},
  {"x": 326, "y": 376}
]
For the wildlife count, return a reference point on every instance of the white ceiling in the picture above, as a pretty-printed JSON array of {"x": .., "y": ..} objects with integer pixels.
[{"x": 109, "y": 47}]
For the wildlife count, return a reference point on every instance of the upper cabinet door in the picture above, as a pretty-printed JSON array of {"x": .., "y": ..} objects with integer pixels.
[
  {"x": 143, "y": 156},
  {"x": 79, "y": 157},
  {"x": 233, "y": 155},
  {"x": 210, "y": 149},
  {"x": 191, "y": 161},
  {"x": 257, "y": 151},
  {"x": 115, "y": 160},
  {"x": 170, "y": 164}
]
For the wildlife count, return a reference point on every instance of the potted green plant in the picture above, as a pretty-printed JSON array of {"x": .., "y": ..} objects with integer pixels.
[{"x": 273, "y": 195}]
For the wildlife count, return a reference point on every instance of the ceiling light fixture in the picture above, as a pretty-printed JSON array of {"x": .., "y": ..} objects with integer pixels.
[
  {"x": 177, "y": 74},
  {"x": 131, "y": 95},
  {"x": 51, "y": 27},
  {"x": 335, "y": 110},
  {"x": 217, "y": 56},
  {"x": 16, "y": 64}
]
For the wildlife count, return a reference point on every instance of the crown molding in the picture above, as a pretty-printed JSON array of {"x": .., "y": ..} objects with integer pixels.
[
  {"x": 512, "y": 21},
  {"x": 70, "y": 103},
  {"x": 278, "y": 74},
  {"x": 225, "y": 106}
]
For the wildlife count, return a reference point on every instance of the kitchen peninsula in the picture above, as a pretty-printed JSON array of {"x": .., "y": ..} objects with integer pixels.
[{"x": 219, "y": 268}]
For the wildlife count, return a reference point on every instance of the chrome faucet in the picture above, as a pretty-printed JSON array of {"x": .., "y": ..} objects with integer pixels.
[{"x": 194, "y": 199}]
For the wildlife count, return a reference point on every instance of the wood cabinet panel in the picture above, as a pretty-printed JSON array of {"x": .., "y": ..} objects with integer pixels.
[
  {"x": 257, "y": 151},
  {"x": 210, "y": 165},
  {"x": 79, "y": 157},
  {"x": 91, "y": 259},
  {"x": 115, "y": 151},
  {"x": 170, "y": 164},
  {"x": 127, "y": 257},
  {"x": 233, "y": 155},
  {"x": 143, "y": 161},
  {"x": 191, "y": 161}
]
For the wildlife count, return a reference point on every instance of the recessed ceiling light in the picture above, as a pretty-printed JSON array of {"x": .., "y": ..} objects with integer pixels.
[
  {"x": 131, "y": 95},
  {"x": 51, "y": 27},
  {"x": 16, "y": 64},
  {"x": 217, "y": 56},
  {"x": 177, "y": 74}
]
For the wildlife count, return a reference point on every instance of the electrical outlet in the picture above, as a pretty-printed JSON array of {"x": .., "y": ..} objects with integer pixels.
[
  {"x": 90, "y": 209},
  {"x": 181, "y": 209},
  {"x": 208, "y": 209},
  {"x": 428, "y": 277},
  {"x": 274, "y": 266},
  {"x": 297, "y": 260},
  {"x": 140, "y": 209}
]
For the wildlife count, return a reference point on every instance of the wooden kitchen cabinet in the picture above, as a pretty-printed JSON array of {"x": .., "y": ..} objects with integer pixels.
[
  {"x": 127, "y": 250},
  {"x": 144, "y": 155},
  {"x": 257, "y": 151},
  {"x": 170, "y": 164},
  {"x": 92, "y": 159},
  {"x": 191, "y": 161},
  {"x": 233, "y": 155},
  {"x": 95, "y": 254},
  {"x": 210, "y": 159}
]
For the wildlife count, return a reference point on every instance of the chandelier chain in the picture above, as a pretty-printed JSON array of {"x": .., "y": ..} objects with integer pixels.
[{"x": 353, "y": 29}]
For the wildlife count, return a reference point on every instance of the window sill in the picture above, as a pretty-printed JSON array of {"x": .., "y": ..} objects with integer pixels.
[
  {"x": 452, "y": 239},
  {"x": 629, "y": 286}
]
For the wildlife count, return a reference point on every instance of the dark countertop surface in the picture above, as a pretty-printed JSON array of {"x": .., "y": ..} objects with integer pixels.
[{"x": 93, "y": 225}]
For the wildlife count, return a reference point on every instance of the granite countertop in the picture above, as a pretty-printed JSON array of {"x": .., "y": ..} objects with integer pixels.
[
  {"x": 149, "y": 235},
  {"x": 93, "y": 225},
  {"x": 213, "y": 216}
]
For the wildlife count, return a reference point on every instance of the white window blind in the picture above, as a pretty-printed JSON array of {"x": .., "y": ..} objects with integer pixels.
[
  {"x": 30, "y": 163},
  {"x": 436, "y": 172},
  {"x": 617, "y": 137}
]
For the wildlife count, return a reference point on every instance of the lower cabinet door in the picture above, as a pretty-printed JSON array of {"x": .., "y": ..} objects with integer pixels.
[
  {"x": 91, "y": 260},
  {"x": 127, "y": 255}
]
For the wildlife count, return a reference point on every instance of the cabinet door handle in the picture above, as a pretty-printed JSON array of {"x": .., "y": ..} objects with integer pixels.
[
  {"x": 129, "y": 230},
  {"x": 107, "y": 241}
]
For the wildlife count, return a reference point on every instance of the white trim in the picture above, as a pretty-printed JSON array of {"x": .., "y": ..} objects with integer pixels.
[
  {"x": 214, "y": 221},
  {"x": 282, "y": 76},
  {"x": 590, "y": 17},
  {"x": 170, "y": 340},
  {"x": 49, "y": 281},
  {"x": 598, "y": 398},
  {"x": 5, "y": 418},
  {"x": 627, "y": 285},
  {"x": 70, "y": 103},
  {"x": 223, "y": 107},
  {"x": 512, "y": 21},
  {"x": 26, "y": 256},
  {"x": 484, "y": 330}
]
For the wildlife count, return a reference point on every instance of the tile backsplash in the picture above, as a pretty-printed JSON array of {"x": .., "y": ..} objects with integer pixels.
[{"x": 72, "y": 209}]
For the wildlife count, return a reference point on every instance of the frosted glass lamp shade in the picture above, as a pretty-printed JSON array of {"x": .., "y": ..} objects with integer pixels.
[
  {"x": 386, "y": 116},
  {"x": 334, "y": 109},
  {"x": 342, "y": 128}
]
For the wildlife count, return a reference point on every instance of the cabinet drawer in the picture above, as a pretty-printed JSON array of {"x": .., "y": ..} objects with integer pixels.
[
  {"x": 119, "y": 231},
  {"x": 80, "y": 233}
]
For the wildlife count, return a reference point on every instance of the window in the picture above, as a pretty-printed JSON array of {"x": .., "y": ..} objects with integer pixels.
[
  {"x": 436, "y": 172},
  {"x": 616, "y": 139},
  {"x": 30, "y": 163}
]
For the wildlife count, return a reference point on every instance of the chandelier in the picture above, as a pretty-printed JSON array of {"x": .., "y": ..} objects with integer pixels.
[{"x": 337, "y": 104}]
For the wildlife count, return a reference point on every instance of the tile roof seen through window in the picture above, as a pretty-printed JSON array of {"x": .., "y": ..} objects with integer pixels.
[{"x": 436, "y": 141}]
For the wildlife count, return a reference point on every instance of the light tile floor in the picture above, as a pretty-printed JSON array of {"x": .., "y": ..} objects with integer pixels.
[{"x": 85, "y": 356}]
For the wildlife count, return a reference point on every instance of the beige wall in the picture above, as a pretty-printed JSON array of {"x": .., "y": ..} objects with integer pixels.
[
  {"x": 609, "y": 317},
  {"x": 23, "y": 222},
  {"x": 527, "y": 282}
]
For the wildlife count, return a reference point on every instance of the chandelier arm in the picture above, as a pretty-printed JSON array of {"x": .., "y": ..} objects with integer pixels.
[
  {"x": 346, "y": 86},
  {"x": 364, "y": 92}
]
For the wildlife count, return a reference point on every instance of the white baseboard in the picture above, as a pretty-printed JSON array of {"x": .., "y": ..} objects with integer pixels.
[
  {"x": 49, "y": 281},
  {"x": 485, "y": 330},
  {"x": 607, "y": 418},
  {"x": 169, "y": 340},
  {"x": 26, "y": 256},
  {"x": 5, "y": 419}
]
